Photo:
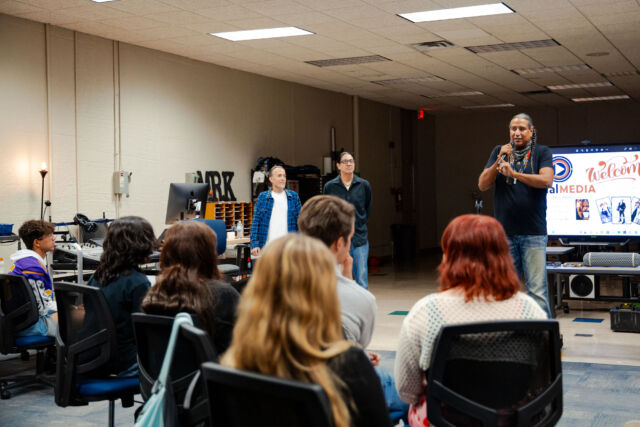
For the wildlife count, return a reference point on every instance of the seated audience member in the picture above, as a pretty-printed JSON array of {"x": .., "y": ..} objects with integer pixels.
[
  {"x": 38, "y": 237},
  {"x": 331, "y": 220},
  {"x": 478, "y": 282},
  {"x": 275, "y": 213},
  {"x": 289, "y": 326},
  {"x": 127, "y": 244},
  {"x": 189, "y": 282}
]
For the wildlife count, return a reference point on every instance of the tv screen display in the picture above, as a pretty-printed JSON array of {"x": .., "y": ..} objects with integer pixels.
[{"x": 595, "y": 194}]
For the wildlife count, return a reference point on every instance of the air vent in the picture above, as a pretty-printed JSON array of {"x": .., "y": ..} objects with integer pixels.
[
  {"x": 502, "y": 47},
  {"x": 348, "y": 61},
  {"x": 425, "y": 46},
  {"x": 622, "y": 74},
  {"x": 556, "y": 69},
  {"x": 397, "y": 82},
  {"x": 536, "y": 92}
]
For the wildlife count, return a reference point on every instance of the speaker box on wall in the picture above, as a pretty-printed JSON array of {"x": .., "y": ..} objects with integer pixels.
[
  {"x": 611, "y": 259},
  {"x": 582, "y": 286}
]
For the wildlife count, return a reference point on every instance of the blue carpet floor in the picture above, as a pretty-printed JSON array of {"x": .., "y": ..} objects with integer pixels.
[{"x": 594, "y": 395}]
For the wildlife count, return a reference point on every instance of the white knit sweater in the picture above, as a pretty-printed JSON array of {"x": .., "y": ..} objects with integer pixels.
[{"x": 423, "y": 323}]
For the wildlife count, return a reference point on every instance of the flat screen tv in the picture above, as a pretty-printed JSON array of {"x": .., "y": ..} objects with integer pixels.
[{"x": 595, "y": 197}]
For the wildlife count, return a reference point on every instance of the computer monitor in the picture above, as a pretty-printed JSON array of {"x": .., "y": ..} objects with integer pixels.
[
  {"x": 595, "y": 197},
  {"x": 186, "y": 201}
]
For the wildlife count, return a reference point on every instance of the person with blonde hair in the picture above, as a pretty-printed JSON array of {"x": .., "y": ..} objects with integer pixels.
[{"x": 289, "y": 326}]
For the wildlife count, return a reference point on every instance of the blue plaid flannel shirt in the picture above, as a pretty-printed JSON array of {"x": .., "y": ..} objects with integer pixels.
[{"x": 262, "y": 216}]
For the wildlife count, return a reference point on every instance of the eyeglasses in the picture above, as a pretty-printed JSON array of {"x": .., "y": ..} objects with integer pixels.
[{"x": 347, "y": 162}]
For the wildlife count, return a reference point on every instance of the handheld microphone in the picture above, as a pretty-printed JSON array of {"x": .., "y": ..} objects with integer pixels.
[{"x": 504, "y": 156}]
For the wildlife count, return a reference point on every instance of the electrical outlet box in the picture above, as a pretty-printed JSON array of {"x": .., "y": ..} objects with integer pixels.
[{"x": 121, "y": 181}]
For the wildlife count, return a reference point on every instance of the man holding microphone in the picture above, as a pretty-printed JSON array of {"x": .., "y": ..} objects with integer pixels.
[{"x": 522, "y": 172}]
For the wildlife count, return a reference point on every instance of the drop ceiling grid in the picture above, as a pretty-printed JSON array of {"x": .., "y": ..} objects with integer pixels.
[{"x": 346, "y": 27}]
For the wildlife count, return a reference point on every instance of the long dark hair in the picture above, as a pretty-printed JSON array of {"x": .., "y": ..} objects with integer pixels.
[
  {"x": 187, "y": 260},
  {"x": 127, "y": 244}
]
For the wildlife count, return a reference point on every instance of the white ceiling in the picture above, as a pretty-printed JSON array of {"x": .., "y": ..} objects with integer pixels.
[{"x": 349, "y": 28}]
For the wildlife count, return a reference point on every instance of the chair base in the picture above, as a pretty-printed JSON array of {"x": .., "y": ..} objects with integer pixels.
[{"x": 19, "y": 381}]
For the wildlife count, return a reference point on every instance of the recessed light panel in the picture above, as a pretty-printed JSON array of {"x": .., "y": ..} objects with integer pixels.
[
  {"x": 396, "y": 82},
  {"x": 457, "y": 12},
  {"x": 467, "y": 93},
  {"x": 600, "y": 98},
  {"x": 556, "y": 69},
  {"x": 579, "y": 85},
  {"x": 266, "y": 33},
  {"x": 475, "y": 107}
]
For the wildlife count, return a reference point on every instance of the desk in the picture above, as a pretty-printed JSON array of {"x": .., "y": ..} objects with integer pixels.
[{"x": 624, "y": 272}]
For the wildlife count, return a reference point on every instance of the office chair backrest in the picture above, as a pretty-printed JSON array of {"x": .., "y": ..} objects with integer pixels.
[
  {"x": 152, "y": 335},
  {"x": 496, "y": 373},
  {"x": 18, "y": 309},
  {"x": 86, "y": 342},
  {"x": 241, "y": 398},
  {"x": 220, "y": 228}
]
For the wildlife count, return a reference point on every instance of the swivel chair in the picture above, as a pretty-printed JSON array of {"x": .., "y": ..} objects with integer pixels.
[
  {"x": 505, "y": 373},
  {"x": 18, "y": 311},
  {"x": 86, "y": 344},
  {"x": 241, "y": 398}
]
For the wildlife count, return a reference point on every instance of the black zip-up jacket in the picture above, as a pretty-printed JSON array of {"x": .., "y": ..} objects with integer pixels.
[{"x": 359, "y": 195}]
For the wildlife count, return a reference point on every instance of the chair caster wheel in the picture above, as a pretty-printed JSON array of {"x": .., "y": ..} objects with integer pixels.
[{"x": 24, "y": 355}]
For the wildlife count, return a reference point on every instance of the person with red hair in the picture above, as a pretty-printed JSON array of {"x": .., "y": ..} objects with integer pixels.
[{"x": 478, "y": 282}]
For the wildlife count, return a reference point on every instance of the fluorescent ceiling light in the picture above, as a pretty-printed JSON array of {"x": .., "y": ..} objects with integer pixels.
[
  {"x": 266, "y": 33},
  {"x": 555, "y": 69},
  {"x": 473, "y": 107},
  {"x": 579, "y": 85},
  {"x": 467, "y": 93},
  {"x": 600, "y": 98},
  {"x": 457, "y": 12}
]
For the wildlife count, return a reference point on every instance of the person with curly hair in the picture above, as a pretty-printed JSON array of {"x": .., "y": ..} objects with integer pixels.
[
  {"x": 127, "y": 244},
  {"x": 39, "y": 239}
]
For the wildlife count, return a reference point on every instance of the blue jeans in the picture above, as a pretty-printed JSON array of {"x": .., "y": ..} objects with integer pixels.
[
  {"x": 397, "y": 408},
  {"x": 360, "y": 268},
  {"x": 530, "y": 257}
]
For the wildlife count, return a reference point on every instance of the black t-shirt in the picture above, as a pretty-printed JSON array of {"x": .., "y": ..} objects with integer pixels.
[
  {"x": 521, "y": 209},
  {"x": 124, "y": 296}
]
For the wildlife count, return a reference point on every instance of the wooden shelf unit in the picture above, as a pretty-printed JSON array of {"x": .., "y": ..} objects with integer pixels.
[{"x": 231, "y": 213}]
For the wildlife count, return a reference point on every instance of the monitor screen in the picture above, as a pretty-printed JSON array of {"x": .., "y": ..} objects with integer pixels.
[
  {"x": 186, "y": 201},
  {"x": 595, "y": 194}
]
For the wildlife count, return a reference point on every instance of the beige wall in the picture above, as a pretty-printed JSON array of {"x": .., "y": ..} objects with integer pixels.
[{"x": 89, "y": 106}]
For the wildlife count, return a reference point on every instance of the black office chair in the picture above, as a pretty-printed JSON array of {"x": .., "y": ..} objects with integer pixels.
[
  {"x": 241, "y": 398},
  {"x": 86, "y": 344},
  {"x": 193, "y": 348},
  {"x": 505, "y": 373},
  {"x": 18, "y": 311}
]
